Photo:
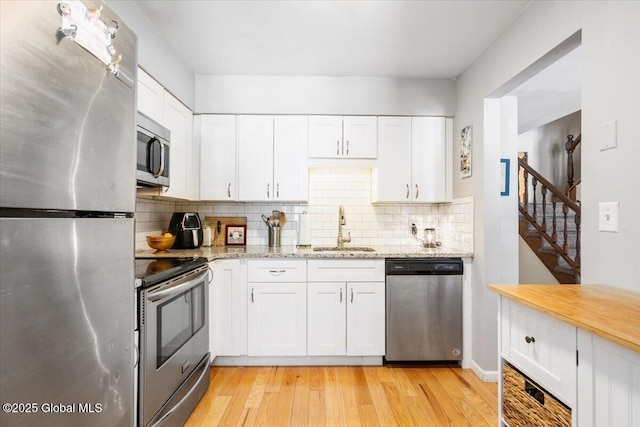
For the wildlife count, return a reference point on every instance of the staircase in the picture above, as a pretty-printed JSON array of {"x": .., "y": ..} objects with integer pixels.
[{"x": 550, "y": 219}]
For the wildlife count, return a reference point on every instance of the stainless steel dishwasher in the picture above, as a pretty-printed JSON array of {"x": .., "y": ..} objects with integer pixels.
[{"x": 423, "y": 309}]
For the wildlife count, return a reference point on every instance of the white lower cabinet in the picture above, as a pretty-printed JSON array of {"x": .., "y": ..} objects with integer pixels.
[
  {"x": 542, "y": 347},
  {"x": 346, "y": 317},
  {"x": 608, "y": 383},
  {"x": 227, "y": 317},
  {"x": 277, "y": 309}
]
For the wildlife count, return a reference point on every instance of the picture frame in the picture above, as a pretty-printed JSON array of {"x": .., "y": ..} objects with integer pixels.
[
  {"x": 236, "y": 235},
  {"x": 504, "y": 177},
  {"x": 465, "y": 152}
]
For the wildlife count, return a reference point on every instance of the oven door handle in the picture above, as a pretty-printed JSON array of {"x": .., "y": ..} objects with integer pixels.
[{"x": 176, "y": 288}]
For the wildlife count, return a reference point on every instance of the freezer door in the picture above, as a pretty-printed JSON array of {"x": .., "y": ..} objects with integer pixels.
[
  {"x": 66, "y": 316},
  {"x": 67, "y": 124}
]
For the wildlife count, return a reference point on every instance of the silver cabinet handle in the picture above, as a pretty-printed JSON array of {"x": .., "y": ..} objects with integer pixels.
[
  {"x": 252, "y": 300},
  {"x": 340, "y": 295},
  {"x": 417, "y": 191},
  {"x": 278, "y": 190},
  {"x": 268, "y": 184},
  {"x": 338, "y": 148},
  {"x": 277, "y": 272},
  {"x": 229, "y": 190},
  {"x": 529, "y": 340},
  {"x": 352, "y": 295},
  {"x": 347, "y": 147},
  {"x": 407, "y": 196}
]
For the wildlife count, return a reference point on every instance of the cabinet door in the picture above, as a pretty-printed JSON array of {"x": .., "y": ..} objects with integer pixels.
[
  {"x": 609, "y": 383},
  {"x": 150, "y": 97},
  {"x": 255, "y": 158},
  {"x": 360, "y": 140},
  {"x": 542, "y": 347},
  {"x": 365, "y": 319},
  {"x": 218, "y": 157},
  {"x": 428, "y": 159},
  {"x": 277, "y": 319},
  {"x": 392, "y": 178},
  {"x": 290, "y": 147},
  {"x": 179, "y": 120},
  {"x": 327, "y": 317},
  {"x": 325, "y": 137},
  {"x": 226, "y": 311}
]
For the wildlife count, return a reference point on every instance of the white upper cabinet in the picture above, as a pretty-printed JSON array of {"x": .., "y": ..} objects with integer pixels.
[
  {"x": 360, "y": 137},
  {"x": 218, "y": 152},
  {"x": 255, "y": 158},
  {"x": 337, "y": 137},
  {"x": 150, "y": 97},
  {"x": 183, "y": 165},
  {"x": 392, "y": 179},
  {"x": 272, "y": 158},
  {"x": 290, "y": 148},
  {"x": 414, "y": 160}
]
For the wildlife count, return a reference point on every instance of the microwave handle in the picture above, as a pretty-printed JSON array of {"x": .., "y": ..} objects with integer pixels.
[
  {"x": 151, "y": 150},
  {"x": 161, "y": 170},
  {"x": 175, "y": 289}
]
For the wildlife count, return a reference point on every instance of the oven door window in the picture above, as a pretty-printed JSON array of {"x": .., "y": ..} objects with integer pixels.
[{"x": 179, "y": 319}]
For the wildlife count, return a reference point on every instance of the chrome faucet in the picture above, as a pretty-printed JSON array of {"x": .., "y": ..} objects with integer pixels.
[{"x": 341, "y": 222}]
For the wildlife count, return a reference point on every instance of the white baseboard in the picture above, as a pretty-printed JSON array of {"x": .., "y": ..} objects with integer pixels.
[
  {"x": 486, "y": 376},
  {"x": 296, "y": 360}
]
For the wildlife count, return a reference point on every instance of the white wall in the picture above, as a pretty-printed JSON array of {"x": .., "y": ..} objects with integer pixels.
[
  {"x": 610, "y": 37},
  {"x": 545, "y": 148},
  {"x": 324, "y": 95},
  {"x": 155, "y": 55},
  {"x": 532, "y": 270}
]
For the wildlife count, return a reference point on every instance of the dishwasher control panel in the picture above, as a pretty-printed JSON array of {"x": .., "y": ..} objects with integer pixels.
[{"x": 427, "y": 266}]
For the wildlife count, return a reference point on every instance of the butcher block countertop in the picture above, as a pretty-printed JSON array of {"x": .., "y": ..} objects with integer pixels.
[{"x": 611, "y": 313}]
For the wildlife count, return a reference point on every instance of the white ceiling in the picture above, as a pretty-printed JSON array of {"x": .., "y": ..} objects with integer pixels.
[
  {"x": 406, "y": 39},
  {"x": 416, "y": 39}
]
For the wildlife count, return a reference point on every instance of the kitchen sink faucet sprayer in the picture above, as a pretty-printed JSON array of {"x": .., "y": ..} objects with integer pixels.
[{"x": 341, "y": 222}]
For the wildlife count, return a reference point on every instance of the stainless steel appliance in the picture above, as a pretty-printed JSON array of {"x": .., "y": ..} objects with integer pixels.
[
  {"x": 153, "y": 153},
  {"x": 424, "y": 309},
  {"x": 174, "y": 338},
  {"x": 67, "y": 196},
  {"x": 187, "y": 228}
]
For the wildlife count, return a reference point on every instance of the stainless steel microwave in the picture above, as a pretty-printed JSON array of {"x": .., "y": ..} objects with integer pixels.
[{"x": 153, "y": 153}]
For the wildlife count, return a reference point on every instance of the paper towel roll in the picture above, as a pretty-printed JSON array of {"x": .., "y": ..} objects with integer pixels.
[{"x": 304, "y": 231}]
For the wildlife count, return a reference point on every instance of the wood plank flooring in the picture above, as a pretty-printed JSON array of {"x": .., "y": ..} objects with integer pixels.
[{"x": 346, "y": 396}]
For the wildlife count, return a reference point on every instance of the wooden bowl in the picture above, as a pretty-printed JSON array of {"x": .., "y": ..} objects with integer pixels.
[{"x": 160, "y": 242}]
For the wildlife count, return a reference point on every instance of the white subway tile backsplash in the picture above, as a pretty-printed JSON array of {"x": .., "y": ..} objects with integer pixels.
[{"x": 370, "y": 225}]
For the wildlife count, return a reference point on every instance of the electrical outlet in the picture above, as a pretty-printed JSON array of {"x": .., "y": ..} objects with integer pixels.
[
  {"x": 414, "y": 229},
  {"x": 608, "y": 216}
]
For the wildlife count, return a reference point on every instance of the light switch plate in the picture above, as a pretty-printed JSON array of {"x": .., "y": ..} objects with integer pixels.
[
  {"x": 608, "y": 135},
  {"x": 608, "y": 216}
]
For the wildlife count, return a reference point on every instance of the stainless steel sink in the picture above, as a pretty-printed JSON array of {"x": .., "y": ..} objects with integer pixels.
[{"x": 344, "y": 249}]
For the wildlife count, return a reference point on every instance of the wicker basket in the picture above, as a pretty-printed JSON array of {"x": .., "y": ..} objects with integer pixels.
[{"x": 525, "y": 404}]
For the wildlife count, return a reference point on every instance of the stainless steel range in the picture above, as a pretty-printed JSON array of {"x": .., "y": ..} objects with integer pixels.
[{"x": 174, "y": 338}]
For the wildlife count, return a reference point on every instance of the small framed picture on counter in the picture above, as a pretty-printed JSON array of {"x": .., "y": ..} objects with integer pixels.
[{"x": 236, "y": 235}]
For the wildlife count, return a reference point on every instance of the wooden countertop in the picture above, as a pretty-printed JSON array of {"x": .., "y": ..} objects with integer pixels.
[{"x": 611, "y": 313}]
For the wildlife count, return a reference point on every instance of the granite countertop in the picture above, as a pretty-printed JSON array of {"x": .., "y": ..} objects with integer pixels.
[
  {"x": 609, "y": 312},
  {"x": 220, "y": 252}
]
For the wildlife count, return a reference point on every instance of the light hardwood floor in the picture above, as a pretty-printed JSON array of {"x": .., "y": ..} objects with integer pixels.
[{"x": 346, "y": 396}]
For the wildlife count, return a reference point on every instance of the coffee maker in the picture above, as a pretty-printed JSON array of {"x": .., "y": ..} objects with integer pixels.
[{"x": 187, "y": 228}]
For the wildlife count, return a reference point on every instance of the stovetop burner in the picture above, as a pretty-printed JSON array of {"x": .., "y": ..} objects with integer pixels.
[{"x": 152, "y": 271}]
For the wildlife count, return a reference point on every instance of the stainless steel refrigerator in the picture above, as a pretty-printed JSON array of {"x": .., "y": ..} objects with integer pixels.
[{"x": 67, "y": 196}]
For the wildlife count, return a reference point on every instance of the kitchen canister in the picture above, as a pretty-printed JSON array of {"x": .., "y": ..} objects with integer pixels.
[
  {"x": 207, "y": 235},
  {"x": 274, "y": 236}
]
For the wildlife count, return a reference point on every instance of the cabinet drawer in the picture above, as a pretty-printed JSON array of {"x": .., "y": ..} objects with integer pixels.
[
  {"x": 341, "y": 270},
  {"x": 541, "y": 346},
  {"x": 277, "y": 270}
]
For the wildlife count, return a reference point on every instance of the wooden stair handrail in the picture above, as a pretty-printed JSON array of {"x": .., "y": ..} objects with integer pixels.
[
  {"x": 571, "y": 143},
  {"x": 570, "y": 146},
  {"x": 554, "y": 190}
]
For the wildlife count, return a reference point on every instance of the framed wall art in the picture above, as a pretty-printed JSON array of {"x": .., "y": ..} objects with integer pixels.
[
  {"x": 236, "y": 235},
  {"x": 465, "y": 152}
]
